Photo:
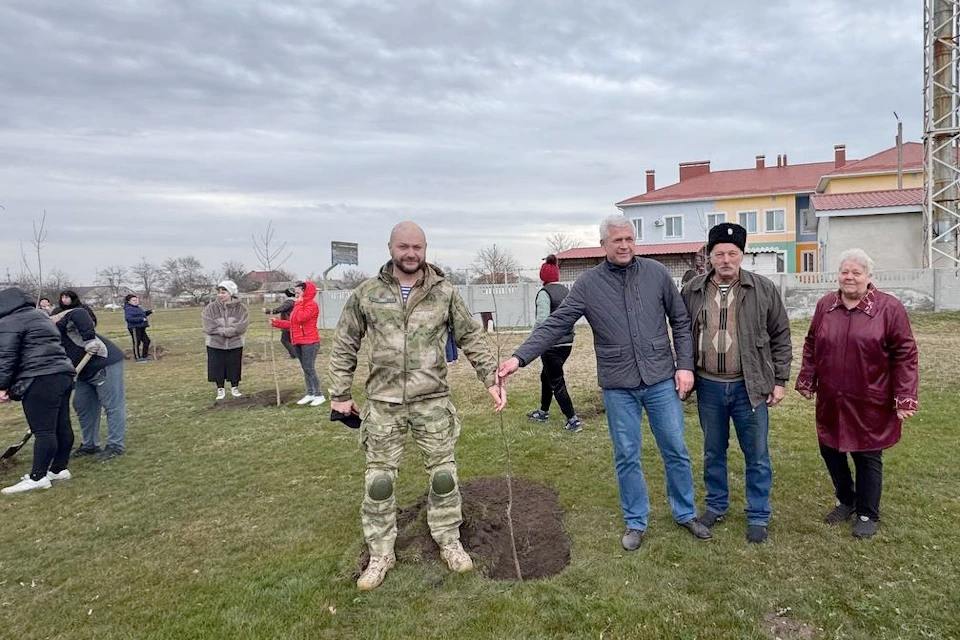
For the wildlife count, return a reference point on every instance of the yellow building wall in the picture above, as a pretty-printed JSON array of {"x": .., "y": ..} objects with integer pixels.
[
  {"x": 760, "y": 204},
  {"x": 853, "y": 184}
]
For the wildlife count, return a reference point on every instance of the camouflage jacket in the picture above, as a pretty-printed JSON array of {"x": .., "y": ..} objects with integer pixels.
[{"x": 406, "y": 341}]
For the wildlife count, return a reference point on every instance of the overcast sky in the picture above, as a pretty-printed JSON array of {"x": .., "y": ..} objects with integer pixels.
[{"x": 159, "y": 129}]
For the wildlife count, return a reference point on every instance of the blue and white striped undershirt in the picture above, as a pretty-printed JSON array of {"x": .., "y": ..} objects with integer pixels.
[{"x": 405, "y": 292}]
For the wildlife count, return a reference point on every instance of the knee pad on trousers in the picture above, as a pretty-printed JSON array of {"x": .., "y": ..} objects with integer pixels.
[
  {"x": 381, "y": 487},
  {"x": 442, "y": 482}
]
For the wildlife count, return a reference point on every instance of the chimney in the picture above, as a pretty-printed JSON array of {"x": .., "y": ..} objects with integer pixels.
[
  {"x": 839, "y": 155},
  {"x": 761, "y": 162},
  {"x": 779, "y": 160},
  {"x": 693, "y": 169},
  {"x": 784, "y": 159},
  {"x": 651, "y": 180}
]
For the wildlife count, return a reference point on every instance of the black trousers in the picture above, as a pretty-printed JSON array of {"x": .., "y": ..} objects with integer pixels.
[
  {"x": 46, "y": 404},
  {"x": 552, "y": 383},
  {"x": 224, "y": 364},
  {"x": 141, "y": 342},
  {"x": 864, "y": 494}
]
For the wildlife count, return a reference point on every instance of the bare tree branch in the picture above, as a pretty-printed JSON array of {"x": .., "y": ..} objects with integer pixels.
[
  {"x": 495, "y": 265},
  {"x": 559, "y": 242},
  {"x": 270, "y": 256},
  {"x": 147, "y": 276}
]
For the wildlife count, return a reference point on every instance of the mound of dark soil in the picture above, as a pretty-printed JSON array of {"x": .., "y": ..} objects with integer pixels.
[
  {"x": 543, "y": 548},
  {"x": 266, "y": 398}
]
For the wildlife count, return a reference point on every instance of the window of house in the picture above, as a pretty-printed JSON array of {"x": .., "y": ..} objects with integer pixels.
[
  {"x": 673, "y": 226},
  {"x": 713, "y": 219},
  {"x": 808, "y": 261},
  {"x": 748, "y": 220},
  {"x": 775, "y": 221},
  {"x": 808, "y": 221},
  {"x": 638, "y": 229},
  {"x": 781, "y": 266}
]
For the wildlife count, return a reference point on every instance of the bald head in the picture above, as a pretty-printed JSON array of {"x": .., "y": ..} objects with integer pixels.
[
  {"x": 408, "y": 247},
  {"x": 409, "y": 231}
]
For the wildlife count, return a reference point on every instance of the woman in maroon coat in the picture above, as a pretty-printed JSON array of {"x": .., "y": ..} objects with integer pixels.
[{"x": 860, "y": 359}]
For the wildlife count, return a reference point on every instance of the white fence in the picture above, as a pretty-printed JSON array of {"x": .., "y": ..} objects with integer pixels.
[{"x": 512, "y": 305}]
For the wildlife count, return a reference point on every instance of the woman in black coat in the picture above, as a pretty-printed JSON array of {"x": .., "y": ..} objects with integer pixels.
[{"x": 35, "y": 370}]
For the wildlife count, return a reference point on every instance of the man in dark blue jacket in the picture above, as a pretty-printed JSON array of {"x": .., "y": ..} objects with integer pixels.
[
  {"x": 627, "y": 300},
  {"x": 137, "y": 324}
]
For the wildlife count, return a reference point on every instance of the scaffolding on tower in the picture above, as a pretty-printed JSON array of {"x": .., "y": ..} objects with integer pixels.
[{"x": 941, "y": 115}]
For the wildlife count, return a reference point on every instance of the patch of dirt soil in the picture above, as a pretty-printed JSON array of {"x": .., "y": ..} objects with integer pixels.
[
  {"x": 543, "y": 547},
  {"x": 266, "y": 398},
  {"x": 780, "y": 626}
]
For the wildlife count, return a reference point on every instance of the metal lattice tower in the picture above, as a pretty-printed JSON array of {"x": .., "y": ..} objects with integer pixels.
[{"x": 941, "y": 116}]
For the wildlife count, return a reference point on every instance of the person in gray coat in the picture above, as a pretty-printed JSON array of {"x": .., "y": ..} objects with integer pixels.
[
  {"x": 225, "y": 321},
  {"x": 627, "y": 300}
]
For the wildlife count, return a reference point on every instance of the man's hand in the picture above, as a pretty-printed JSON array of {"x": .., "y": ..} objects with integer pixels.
[
  {"x": 499, "y": 394},
  {"x": 345, "y": 406},
  {"x": 902, "y": 414},
  {"x": 4, "y": 396},
  {"x": 774, "y": 398},
  {"x": 684, "y": 382},
  {"x": 507, "y": 368},
  {"x": 91, "y": 347},
  {"x": 806, "y": 393}
]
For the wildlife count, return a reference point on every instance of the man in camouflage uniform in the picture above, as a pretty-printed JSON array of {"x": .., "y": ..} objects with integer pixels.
[{"x": 405, "y": 314}]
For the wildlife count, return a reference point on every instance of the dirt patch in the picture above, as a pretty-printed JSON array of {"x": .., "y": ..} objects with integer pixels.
[
  {"x": 266, "y": 398},
  {"x": 157, "y": 352},
  {"x": 543, "y": 548},
  {"x": 782, "y": 627}
]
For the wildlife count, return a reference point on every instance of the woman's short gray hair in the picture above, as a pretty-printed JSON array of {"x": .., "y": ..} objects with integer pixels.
[
  {"x": 616, "y": 221},
  {"x": 859, "y": 256}
]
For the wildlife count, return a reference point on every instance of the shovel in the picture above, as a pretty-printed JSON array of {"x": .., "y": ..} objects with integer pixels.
[{"x": 12, "y": 449}]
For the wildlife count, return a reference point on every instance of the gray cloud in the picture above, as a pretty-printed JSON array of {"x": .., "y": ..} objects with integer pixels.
[{"x": 169, "y": 128}]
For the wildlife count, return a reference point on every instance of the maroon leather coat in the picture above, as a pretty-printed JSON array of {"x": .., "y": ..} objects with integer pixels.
[{"x": 863, "y": 365}]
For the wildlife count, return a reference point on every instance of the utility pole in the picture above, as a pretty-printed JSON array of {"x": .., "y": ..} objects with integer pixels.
[{"x": 941, "y": 108}]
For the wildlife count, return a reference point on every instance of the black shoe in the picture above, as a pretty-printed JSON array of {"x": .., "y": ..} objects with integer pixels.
[
  {"x": 84, "y": 450},
  {"x": 864, "y": 527},
  {"x": 709, "y": 518},
  {"x": 574, "y": 425},
  {"x": 631, "y": 540},
  {"x": 539, "y": 415},
  {"x": 756, "y": 533},
  {"x": 840, "y": 513},
  {"x": 696, "y": 529},
  {"x": 109, "y": 453}
]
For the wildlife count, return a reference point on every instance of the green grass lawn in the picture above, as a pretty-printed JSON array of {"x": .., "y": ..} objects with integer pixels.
[{"x": 244, "y": 523}]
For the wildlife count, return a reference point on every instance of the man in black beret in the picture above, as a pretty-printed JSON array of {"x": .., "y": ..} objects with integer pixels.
[{"x": 742, "y": 351}]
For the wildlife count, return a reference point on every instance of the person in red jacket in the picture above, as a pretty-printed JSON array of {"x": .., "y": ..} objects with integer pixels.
[{"x": 305, "y": 338}]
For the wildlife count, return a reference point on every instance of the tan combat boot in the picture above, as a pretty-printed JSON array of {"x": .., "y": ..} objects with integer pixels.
[
  {"x": 456, "y": 558},
  {"x": 372, "y": 577}
]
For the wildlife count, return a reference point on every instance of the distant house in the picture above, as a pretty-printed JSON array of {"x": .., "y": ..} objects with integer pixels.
[
  {"x": 859, "y": 205},
  {"x": 262, "y": 277},
  {"x": 99, "y": 295},
  {"x": 772, "y": 202}
]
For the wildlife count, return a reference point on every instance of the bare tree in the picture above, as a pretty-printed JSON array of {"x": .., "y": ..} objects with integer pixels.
[
  {"x": 234, "y": 270},
  {"x": 35, "y": 278},
  {"x": 186, "y": 275},
  {"x": 494, "y": 264},
  {"x": 113, "y": 277},
  {"x": 270, "y": 254},
  {"x": 352, "y": 278},
  {"x": 56, "y": 282},
  {"x": 559, "y": 242},
  {"x": 147, "y": 277}
]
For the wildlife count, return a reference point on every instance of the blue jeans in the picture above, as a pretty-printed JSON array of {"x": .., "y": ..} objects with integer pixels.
[
  {"x": 89, "y": 398},
  {"x": 665, "y": 413},
  {"x": 718, "y": 403}
]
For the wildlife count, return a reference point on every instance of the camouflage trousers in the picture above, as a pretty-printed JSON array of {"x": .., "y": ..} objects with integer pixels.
[{"x": 435, "y": 428}]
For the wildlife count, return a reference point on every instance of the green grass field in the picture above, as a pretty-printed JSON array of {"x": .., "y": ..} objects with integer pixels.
[{"x": 244, "y": 523}]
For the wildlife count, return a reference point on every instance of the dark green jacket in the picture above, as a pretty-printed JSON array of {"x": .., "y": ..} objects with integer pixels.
[{"x": 763, "y": 331}]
